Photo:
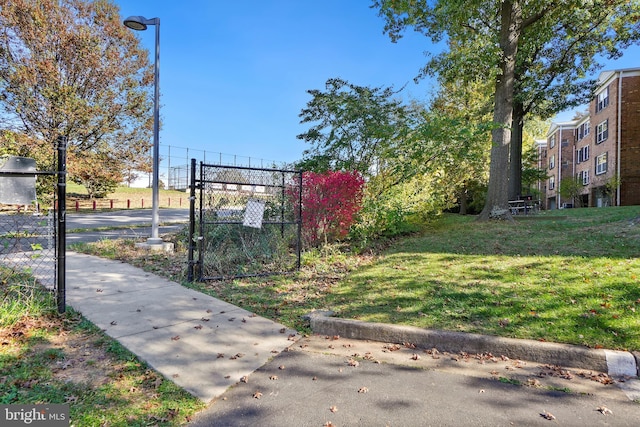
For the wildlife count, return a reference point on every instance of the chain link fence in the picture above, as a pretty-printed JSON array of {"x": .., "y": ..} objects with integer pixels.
[
  {"x": 32, "y": 237},
  {"x": 27, "y": 245},
  {"x": 247, "y": 222}
]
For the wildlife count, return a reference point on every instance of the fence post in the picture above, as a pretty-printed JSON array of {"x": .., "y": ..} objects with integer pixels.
[
  {"x": 299, "y": 248},
  {"x": 192, "y": 220},
  {"x": 62, "y": 225}
]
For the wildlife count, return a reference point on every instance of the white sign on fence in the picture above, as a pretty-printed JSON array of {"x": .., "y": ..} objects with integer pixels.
[{"x": 253, "y": 213}]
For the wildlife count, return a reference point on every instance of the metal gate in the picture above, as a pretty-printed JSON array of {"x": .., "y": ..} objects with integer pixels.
[
  {"x": 243, "y": 222},
  {"x": 33, "y": 237}
]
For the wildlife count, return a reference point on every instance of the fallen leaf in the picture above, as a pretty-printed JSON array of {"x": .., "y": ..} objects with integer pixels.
[
  {"x": 257, "y": 395},
  {"x": 334, "y": 409},
  {"x": 244, "y": 379},
  {"x": 604, "y": 410},
  {"x": 548, "y": 416},
  {"x": 354, "y": 363},
  {"x": 532, "y": 382}
]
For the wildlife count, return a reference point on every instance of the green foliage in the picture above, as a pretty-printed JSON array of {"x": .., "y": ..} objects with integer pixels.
[
  {"x": 351, "y": 126},
  {"x": 233, "y": 249},
  {"x": 570, "y": 188},
  {"x": 21, "y": 296},
  {"x": 541, "y": 52}
]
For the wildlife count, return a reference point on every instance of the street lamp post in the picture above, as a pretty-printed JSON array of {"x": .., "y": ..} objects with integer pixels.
[{"x": 140, "y": 23}]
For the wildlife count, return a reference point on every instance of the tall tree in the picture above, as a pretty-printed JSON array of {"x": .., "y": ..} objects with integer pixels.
[
  {"x": 70, "y": 68},
  {"x": 351, "y": 126},
  {"x": 499, "y": 32},
  {"x": 555, "y": 57}
]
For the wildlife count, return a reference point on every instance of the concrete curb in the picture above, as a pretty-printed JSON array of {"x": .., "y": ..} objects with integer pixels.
[{"x": 615, "y": 363}]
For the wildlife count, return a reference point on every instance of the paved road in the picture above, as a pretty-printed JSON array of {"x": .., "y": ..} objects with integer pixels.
[
  {"x": 342, "y": 382},
  {"x": 177, "y": 218},
  {"x": 124, "y": 218}
]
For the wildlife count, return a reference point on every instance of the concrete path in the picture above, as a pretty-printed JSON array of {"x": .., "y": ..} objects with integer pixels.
[{"x": 201, "y": 343}]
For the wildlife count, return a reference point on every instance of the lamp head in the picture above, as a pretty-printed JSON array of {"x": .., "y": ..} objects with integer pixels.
[{"x": 138, "y": 23}]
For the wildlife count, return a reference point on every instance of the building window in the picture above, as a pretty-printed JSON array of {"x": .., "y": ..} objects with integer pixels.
[
  {"x": 552, "y": 182},
  {"x": 584, "y": 176},
  {"x": 552, "y": 162},
  {"x": 552, "y": 141},
  {"x": 603, "y": 100},
  {"x": 583, "y": 130},
  {"x": 582, "y": 155},
  {"x": 601, "y": 164},
  {"x": 602, "y": 132}
]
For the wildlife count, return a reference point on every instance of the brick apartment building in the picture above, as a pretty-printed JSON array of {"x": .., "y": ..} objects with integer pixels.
[{"x": 598, "y": 148}]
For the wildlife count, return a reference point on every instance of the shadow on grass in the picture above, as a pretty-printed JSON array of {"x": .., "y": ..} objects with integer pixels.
[{"x": 515, "y": 279}]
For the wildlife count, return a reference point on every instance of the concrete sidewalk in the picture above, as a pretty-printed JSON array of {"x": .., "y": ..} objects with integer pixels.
[{"x": 201, "y": 343}]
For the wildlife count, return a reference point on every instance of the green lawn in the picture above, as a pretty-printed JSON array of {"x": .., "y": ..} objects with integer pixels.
[{"x": 572, "y": 280}]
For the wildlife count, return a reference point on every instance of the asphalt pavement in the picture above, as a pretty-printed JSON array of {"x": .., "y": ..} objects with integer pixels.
[{"x": 128, "y": 224}]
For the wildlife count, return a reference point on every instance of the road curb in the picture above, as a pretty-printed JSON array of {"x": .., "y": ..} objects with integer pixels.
[{"x": 616, "y": 363}]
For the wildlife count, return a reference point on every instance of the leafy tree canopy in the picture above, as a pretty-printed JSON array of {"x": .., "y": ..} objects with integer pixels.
[{"x": 70, "y": 68}]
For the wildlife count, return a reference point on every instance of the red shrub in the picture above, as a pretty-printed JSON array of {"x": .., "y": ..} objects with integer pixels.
[{"x": 330, "y": 202}]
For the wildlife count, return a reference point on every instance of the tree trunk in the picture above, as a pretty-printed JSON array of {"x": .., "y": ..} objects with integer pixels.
[
  {"x": 515, "y": 160},
  {"x": 462, "y": 198},
  {"x": 496, "y": 205}
]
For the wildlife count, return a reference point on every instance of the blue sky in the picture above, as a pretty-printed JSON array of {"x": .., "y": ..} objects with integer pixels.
[{"x": 234, "y": 75}]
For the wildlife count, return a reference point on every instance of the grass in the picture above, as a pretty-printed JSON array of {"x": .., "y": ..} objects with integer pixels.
[
  {"x": 64, "y": 359},
  {"x": 137, "y": 197},
  {"x": 570, "y": 278}
]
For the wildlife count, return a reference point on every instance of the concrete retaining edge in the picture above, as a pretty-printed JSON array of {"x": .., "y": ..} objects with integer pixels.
[{"x": 566, "y": 355}]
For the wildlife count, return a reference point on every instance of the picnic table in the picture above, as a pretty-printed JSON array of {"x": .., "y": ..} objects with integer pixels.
[{"x": 523, "y": 206}]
